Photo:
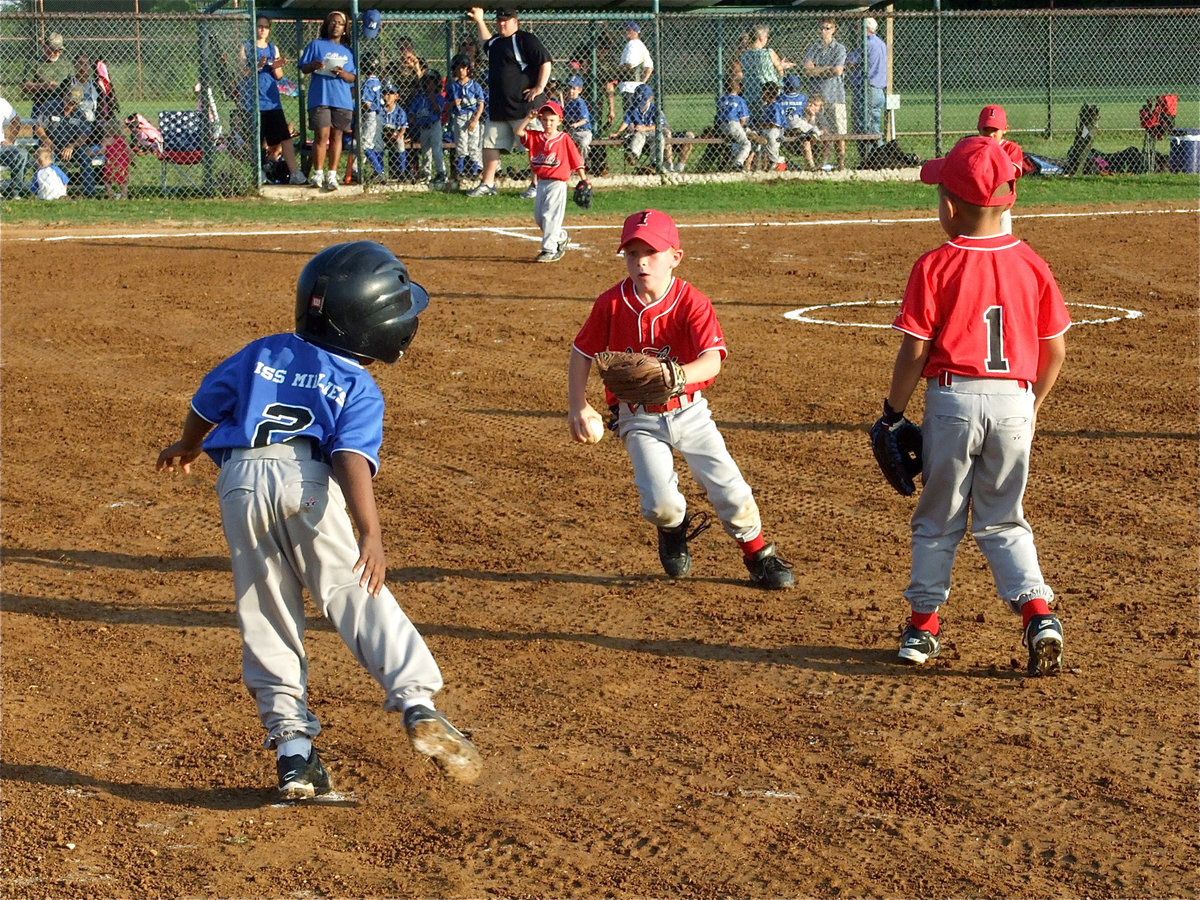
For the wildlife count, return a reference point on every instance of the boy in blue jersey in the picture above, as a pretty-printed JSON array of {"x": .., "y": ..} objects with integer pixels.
[
  {"x": 732, "y": 116},
  {"x": 768, "y": 127},
  {"x": 393, "y": 124},
  {"x": 465, "y": 100},
  {"x": 641, "y": 121},
  {"x": 425, "y": 117},
  {"x": 295, "y": 422},
  {"x": 577, "y": 118}
]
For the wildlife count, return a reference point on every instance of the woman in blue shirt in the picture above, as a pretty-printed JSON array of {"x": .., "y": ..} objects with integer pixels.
[
  {"x": 273, "y": 125},
  {"x": 330, "y": 100}
]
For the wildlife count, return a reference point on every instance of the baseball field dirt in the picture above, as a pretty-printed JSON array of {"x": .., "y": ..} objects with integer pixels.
[{"x": 642, "y": 737}]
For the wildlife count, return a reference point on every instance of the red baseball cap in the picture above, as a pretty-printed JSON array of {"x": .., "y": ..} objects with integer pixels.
[
  {"x": 554, "y": 106},
  {"x": 993, "y": 117},
  {"x": 655, "y": 228},
  {"x": 974, "y": 170}
]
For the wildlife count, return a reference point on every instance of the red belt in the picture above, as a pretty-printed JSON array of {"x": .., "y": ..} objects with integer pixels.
[
  {"x": 673, "y": 403},
  {"x": 945, "y": 379}
]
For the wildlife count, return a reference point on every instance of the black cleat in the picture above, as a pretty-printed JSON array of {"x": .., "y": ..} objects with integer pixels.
[
  {"x": 673, "y": 544},
  {"x": 769, "y": 571},
  {"x": 300, "y": 778}
]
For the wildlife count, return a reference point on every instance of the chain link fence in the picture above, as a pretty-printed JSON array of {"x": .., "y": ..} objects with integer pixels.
[{"x": 1065, "y": 78}]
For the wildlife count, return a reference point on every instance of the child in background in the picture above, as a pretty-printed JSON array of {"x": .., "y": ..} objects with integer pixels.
[
  {"x": 792, "y": 100},
  {"x": 807, "y": 126},
  {"x": 984, "y": 323},
  {"x": 49, "y": 181},
  {"x": 368, "y": 115},
  {"x": 465, "y": 105},
  {"x": 393, "y": 127},
  {"x": 639, "y": 124},
  {"x": 655, "y": 313},
  {"x": 295, "y": 422},
  {"x": 993, "y": 123},
  {"x": 117, "y": 159},
  {"x": 731, "y": 119},
  {"x": 425, "y": 116},
  {"x": 577, "y": 118},
  {"x": 769, "y": 129},
  {"x": 553, "y": 156}
]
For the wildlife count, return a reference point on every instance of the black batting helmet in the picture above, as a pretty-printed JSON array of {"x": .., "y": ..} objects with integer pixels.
[{"x": 357, "y": 298}]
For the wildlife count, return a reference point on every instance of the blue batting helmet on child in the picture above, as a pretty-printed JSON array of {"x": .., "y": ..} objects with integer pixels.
[{"x": 791, "y": 82}]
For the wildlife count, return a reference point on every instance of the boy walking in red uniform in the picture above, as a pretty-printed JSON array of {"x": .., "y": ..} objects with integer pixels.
[
  {"x": 984, "y": 322},
  {"x": 655, "y": 313},
  {"x": 553, "y": 156}
]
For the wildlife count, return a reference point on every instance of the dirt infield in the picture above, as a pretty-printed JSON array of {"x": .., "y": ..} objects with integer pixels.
[{"x": 642, "y": 738}]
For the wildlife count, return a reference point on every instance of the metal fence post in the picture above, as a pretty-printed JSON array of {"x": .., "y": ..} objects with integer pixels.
[
  {"x": 937, "y": 76},
  {"x": 1049, "y": 73}
]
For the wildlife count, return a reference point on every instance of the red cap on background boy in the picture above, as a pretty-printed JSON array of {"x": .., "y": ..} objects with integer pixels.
[
  {"x": 655, "y": 228},
  {"x": 553, "y": 106},
  {"x": 974, "y": 170},
  {"x": 992, "y": 116}
]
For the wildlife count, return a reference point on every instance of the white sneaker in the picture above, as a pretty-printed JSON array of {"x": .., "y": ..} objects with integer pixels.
[
  {"x": 482, "y": 190},
  {"x": 317, "y": 178},
  {"x": 297, "y": 177},
  {"x": 530, "y": 193},
  {"x": 331, "y": 182}
]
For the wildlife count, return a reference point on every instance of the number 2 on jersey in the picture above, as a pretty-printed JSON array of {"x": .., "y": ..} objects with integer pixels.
[
  {"x": 281, "y": 418},
  {"x": 996, "y": 361}
]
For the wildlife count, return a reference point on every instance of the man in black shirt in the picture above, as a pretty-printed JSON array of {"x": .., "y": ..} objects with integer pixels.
[{"x": 518, "y": 69}]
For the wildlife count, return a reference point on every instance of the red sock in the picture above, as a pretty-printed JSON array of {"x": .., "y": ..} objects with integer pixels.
[
  {"x": 1034, "y": 606},
  {"x": 750, "y": 547},
  {"x": 925, "y": 621}
]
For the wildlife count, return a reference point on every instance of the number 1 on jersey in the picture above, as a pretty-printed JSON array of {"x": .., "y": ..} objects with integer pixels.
[{"x": 996, "y": 361}]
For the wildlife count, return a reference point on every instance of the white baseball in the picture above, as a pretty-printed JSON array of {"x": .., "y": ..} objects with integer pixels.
[{"x": 595, "y": 430}]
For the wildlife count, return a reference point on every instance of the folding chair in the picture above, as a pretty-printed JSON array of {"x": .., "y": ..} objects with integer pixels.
[{"x": 182, "y": 143}]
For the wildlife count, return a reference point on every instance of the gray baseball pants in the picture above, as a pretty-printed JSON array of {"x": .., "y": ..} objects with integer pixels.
[
  {"x": 976, "y": 435},
  {"x": 549, "y": 211},
  {"x": 650, "y": 439},
  {"x": 287, "y": 527}
]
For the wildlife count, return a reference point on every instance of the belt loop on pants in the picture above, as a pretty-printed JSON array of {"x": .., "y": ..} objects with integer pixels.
[{"x": 679, "y": 402}]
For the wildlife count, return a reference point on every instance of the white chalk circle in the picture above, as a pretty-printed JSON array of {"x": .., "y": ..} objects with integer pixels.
[{"x": 804, "y": 315}]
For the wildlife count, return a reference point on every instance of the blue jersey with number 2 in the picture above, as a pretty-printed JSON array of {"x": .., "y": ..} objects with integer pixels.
[{"x": 280, "y": 387}]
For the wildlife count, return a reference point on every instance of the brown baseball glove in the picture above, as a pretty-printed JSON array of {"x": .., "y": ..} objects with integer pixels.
[{"x": 640, "y": 379}]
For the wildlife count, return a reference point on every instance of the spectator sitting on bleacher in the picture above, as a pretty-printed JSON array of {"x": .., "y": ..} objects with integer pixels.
[
  {"x": 62, "y": 128},
  {"x": 49, "y": 181},
  {"x": 639, "y": 124},
  {"x": 577, "y": 118},
  {"x": 768, "y": 128},
  {"x": 807, "y": 127},
  {"x": 89, "y": 95},
  {"x": 732, "y": 117},
  {"x": 792, "y": 100},
  {"x": 44, "y": 77},
  {"x": 12, "y": 155}
]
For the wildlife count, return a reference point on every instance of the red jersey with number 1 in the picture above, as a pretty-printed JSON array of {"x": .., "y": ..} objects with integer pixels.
[
  {"x": 984, "y": 303},
  {"x": 680, "y": 326},
  {"x": 554, "y": 158}
]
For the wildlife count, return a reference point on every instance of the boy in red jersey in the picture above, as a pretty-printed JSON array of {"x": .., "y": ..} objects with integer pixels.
[
  {"x": 654, "y": 312},
  {"x": 553, "y": 156},
  {"x": 984, "y": 321},
  {"x": 993, "y": 123}
]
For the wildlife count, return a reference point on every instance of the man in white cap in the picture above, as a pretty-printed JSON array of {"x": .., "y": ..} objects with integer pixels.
[{"x": 42, "y": 77}]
